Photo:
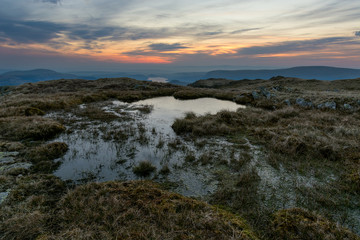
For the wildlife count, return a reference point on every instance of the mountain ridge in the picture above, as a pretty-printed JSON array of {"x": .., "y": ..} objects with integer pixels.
[
  {"x": 13, "y": 78},
  {"x": 304, "y": 72}
]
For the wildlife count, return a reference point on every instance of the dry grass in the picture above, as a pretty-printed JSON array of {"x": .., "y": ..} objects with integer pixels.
[
  {"x": 47, "y": 152},
  {"x": 299, "y": 224},
  {"x": 302, "y": 133},
  {"x": 140, "y": 210},
  {"x": 29, "y": 128},
  {"x": 144, "y": 169},
  {"x": 129, "y": 210},
  {"x": 42, "y": 157}
]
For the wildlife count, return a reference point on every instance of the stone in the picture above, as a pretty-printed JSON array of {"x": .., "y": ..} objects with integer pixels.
[
  {"x": 303, "y": 103},
  {"x": 347, "y": 106},
  {"x": 255, "y": 95},
  {"x": 330, "y": 105},
  {"x": 265, "y": 92},
  {"x": 277, "y": 88},
  {"x": 7, "y": 157},
  {"x": 5, "y": 168},
  {"x": 3, "y": 196}
]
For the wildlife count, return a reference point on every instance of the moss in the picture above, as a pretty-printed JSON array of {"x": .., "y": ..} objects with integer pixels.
[{"x": 299, "y": 224}]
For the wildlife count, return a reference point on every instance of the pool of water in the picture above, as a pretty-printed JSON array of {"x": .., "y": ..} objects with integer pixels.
[{"x": 103, "y": 151}]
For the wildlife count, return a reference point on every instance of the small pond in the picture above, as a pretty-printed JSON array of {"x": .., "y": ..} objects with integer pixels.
[{"x": 103, "y": 151}]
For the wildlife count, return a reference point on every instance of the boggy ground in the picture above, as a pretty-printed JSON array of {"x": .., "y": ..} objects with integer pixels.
[{"x": 296, "y": 140}]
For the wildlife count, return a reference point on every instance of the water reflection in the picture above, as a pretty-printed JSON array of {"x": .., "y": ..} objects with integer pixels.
[{"x": 108, "y": 151}]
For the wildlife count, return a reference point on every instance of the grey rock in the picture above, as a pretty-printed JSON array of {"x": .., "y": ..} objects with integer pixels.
[
  {"x": 303, "y": 103},
  {"x": 277, "y": 88},
  {"x": 255, "y": 95},
  {"x": 347, "y": 106},
  {"x": 8, "y": 154},
  {"x": 6, "y": 160},
  {"x": 287, "y": 101},
  {"x": 6, "y": 168},
  {"x": 328, "y": 105},
  {"x": 7, "y": 157},
  {"x": 265, "y": 92},
  {"x": 3, "y": 196}
]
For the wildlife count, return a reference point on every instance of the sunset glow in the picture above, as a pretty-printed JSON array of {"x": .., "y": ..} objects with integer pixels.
[{"x": 169, "y": 32}]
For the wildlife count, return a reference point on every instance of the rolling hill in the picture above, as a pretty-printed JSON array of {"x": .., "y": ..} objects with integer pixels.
[
  {"x": 311, "y": 72},
  {"x": 20, "y": 77}
]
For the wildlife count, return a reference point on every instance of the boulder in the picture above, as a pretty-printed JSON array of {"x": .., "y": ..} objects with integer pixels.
[
  {"x": 265, "y": 92},
  {"x": 255, "y": 95},
  {"x": 277, "y": 88},
  {"x": 3, "y": 196},
  {"x": 347, "y": 106},
  {"x": 303, "y": 103},
  {"x": 328, "y": 105}
]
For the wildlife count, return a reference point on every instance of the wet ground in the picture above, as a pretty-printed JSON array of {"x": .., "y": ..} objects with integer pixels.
[{"x": 102, "y": 151}]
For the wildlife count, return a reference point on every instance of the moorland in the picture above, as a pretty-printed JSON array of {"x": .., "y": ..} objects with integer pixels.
[{"x": 289, "y": 166}]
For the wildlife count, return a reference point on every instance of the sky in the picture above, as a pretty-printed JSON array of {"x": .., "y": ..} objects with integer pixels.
[{"x": 119, "y": 35}]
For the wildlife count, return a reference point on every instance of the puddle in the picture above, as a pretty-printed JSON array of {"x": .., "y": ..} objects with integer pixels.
[{"x": 100, "y": 151}]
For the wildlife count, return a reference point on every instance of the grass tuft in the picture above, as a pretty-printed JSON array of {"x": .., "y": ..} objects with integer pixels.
[{"x": 144, "y": 169}]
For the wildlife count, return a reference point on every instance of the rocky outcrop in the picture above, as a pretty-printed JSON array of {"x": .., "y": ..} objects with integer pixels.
[
  {"x": 303, "y": 103},
  {"x": 327, "y": 105}
]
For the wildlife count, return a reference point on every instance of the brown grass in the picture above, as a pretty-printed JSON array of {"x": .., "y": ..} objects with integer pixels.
[
  {"x": 291, "y": 131},
  {"x": 29, "y": 128},
  {"x": 299, "y": 224},
  {"x": 140, "y": 210},
  {"x": 114, "y": 210}
]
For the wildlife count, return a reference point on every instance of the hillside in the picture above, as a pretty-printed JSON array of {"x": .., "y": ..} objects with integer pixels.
[
  {"x": 20, "y": 77},
  {"x": 311, "y": 72},
  {"x": 285, "y": 166}
]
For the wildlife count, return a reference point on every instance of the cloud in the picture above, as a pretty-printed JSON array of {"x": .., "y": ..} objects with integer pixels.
[
  {"x": 23, "y": 31},
  {"x": 244, "y": 30},
  {"x": 52, "y": 1},
  {"x": 166, "y": 47},
  {"x": 29, "y": 31},
  {"x": 357, "y": 33},
  {"x": 294, "y": 46}
]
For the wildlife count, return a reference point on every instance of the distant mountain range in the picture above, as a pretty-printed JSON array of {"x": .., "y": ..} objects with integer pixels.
[
  {"x": 20, "y": 77},
  {"x": 184, "y": 78},
  {"x": 313, "y": 72}
]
